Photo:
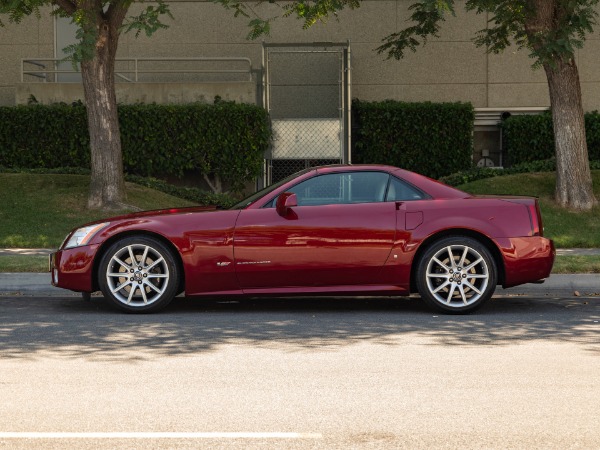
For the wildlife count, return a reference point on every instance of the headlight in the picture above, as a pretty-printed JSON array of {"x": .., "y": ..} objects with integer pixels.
[{"x": 82, "y": 236}]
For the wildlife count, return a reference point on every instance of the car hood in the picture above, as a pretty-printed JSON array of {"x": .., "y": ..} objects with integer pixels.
[{"x": 155, "y": 213}]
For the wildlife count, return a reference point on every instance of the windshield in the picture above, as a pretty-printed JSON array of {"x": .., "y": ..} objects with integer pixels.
[{"x": 257, "y": 195}]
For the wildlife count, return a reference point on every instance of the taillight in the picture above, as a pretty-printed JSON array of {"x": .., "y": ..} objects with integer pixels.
[{"x": 535, "y": 215}]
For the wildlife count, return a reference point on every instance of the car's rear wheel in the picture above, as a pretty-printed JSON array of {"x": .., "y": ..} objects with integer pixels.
[
  {"x": 138, "y": 274},
  {"x": 456, "y": 275}
]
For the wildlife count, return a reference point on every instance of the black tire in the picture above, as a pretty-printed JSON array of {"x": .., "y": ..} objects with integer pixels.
[
  {"x": 154, "y": 279},
  {"x": 457, "y": 285}
]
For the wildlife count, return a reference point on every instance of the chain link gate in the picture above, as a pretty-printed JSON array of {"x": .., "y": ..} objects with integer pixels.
[{"x": 307, "y": 94}]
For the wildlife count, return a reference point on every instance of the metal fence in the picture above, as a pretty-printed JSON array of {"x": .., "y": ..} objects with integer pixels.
[{"x": 307, "y": 94}]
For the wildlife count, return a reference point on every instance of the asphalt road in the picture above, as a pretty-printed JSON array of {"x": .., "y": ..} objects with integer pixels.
[{"x": 300, "y": 373}]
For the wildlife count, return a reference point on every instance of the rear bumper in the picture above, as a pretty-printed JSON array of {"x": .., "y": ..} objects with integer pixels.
[
  {"x": 526, "y": 259},
  {"x": 72, "y": 268}
]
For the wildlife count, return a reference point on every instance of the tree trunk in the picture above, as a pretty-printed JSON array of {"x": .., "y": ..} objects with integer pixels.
[
  {"x": 573, "y": 177},
  {"x": 215, "y": 184},
  {"x": 107, "y": 186}
]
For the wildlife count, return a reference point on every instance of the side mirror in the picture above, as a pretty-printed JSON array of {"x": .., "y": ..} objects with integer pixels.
[{"x": 285, "y": 202}]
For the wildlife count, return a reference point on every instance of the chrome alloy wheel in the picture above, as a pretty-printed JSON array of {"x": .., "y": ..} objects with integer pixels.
[
  {"x": 457, "y": 276},
  {"x": 137, "y": 275}
]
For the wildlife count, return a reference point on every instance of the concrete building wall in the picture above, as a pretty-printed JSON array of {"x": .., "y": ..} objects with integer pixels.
[
  {"x": 31, "y": 38},
  {"x": 450, "y": 68}
]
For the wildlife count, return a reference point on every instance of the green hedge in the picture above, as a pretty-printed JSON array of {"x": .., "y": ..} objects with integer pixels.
[
  {"x": 225, "y": 139},
  {"x": 434, "y": 139},
  {"x": 44, "y": 136},
  {"x": 529, "y": 138}
]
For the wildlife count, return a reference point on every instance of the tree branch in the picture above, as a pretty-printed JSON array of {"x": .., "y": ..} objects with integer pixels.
[
  {"x": 542, "y": 18},
  {"x": 116, "y": 13},
  {"x": 427, "y": 16},
  {"x": 210, "y": 185},
  {"x": 217, "y": 186},
  {"x": 66, "y": 5}
]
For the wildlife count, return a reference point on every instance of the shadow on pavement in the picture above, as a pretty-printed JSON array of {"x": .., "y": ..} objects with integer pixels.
[{"x": 71, "y": 328}]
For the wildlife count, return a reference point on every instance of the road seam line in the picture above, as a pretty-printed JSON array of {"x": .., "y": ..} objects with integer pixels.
[{"x": 158, "y": 435}]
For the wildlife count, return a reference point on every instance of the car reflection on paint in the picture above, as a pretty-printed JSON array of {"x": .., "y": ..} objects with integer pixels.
[{"x": 334, "y": 230}]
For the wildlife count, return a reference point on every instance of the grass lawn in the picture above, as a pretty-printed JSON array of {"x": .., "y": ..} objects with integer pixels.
[
  {"x": 39, "y": 210},
  {"x": 567, "y": 228},
  {"x": 23, "y": 263},
  {"x": 576, "y": 264}
]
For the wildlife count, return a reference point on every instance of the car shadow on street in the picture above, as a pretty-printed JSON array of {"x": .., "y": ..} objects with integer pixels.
[{"x": 73, "y": 328}]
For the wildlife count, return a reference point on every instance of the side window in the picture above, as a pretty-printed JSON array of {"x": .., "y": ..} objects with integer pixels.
[
  {"x": 402, "y": 191},
  {"x": 339, "y": 188}
]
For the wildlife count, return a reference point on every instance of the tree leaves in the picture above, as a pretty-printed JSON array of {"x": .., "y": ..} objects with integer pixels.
[
  {"x": 149, "y": 20},
  {"x": 309, "y": 12},
  {"x": 427, "y": 16},
  {"x": 86, "y": 36},
  {"x": 17, "y": 10},
  {"x": 88, "y": 16},
  {"x": 511, "y": 22}
]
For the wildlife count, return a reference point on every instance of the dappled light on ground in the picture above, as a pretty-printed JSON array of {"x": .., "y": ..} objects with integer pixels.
[{"x": 72, "y": 328}]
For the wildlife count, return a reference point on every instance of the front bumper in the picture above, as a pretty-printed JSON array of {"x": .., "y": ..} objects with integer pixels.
[
  {"x": 527, "y": 259},
  {"x": 73, "y": 268}
]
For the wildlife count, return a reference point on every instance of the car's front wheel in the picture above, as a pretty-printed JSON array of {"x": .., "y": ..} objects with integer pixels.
[
  {"x": 138, "y": 274},
  {"x": 456, "y": 275}
]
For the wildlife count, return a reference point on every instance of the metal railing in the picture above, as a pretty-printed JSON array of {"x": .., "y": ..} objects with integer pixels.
[{"x": 136, "y": 70}]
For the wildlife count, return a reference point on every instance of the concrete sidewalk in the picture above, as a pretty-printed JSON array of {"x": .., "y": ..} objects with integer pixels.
[
  {"x": 557, "y": 285},
  {"x": 25, "y": 251}
]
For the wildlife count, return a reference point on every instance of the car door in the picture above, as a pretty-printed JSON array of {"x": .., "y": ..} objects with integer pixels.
[{"x": 340, "y": 234}]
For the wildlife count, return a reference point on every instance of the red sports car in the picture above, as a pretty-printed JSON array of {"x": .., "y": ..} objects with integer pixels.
[{"x": 341, "y": 230}]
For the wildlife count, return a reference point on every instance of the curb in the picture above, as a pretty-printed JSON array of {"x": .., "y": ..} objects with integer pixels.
[
  {"x": 559, "y": 284},
  {"x": 29, "y": 283}
]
